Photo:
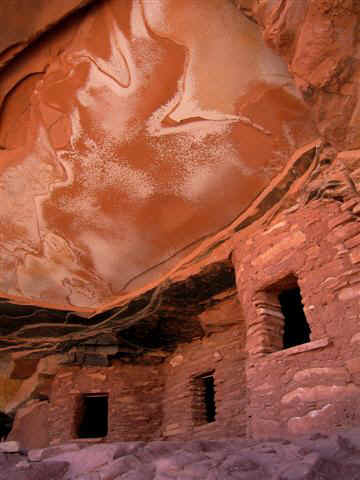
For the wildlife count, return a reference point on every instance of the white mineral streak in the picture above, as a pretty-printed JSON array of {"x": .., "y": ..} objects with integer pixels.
[
  {"x": 212, "y": 80},
  {"x": 217, "y": 69},
  {"x": 113, "y": 115},
  {"x": 137, "y": 22},
  {"x": 193, "y": 176},
  {"x": 21, "y": 183}
]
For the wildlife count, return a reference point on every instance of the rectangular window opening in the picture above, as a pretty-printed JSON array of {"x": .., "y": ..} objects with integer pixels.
[
  {"x": 296, "y": 328},
  {"x": 281, "y": 322},
  {"x": 93, "y": 416},
  {"x": 204, "y": 406}
]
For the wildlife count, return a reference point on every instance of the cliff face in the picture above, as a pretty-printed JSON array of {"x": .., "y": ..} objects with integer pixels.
[
  {"x": 131, "y": 132},
  {"x": 320, "y": 42}
]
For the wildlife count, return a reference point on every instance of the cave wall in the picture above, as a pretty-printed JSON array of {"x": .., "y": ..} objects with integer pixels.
[
  {"x": 8, "y": 386},
  {"x": 320, "y": 42},
  {"x": 8, "y": 389},
  {"x": 314, "y": 386}
]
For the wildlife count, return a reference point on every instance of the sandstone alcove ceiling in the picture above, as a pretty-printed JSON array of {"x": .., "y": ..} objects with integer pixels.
[
  {"x": 20, "y": 30},
  {"x": 159, "y": 319},
  {"x": 133, "y": 132}
]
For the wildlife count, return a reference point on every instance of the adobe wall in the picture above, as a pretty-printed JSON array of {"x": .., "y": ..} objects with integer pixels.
[
  {"x": 134, "y": 400},
  {"x": 315, "y": 386},
  {"x": 223, "y": 354}
]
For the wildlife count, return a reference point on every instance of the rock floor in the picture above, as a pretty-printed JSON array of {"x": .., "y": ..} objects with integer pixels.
[{"x": 315, "y": 457}]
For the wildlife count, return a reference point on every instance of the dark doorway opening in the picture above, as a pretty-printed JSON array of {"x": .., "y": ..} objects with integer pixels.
[
  {"x": 6, "y": 423},
  {"x": 204, "y": 399},
  {"x": 209, "y": 395},
  {"x": 93, "y": 416},
  {"x": 296, "y": 329}
]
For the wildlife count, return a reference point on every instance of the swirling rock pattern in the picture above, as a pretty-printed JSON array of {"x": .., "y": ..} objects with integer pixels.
[{"x": 128, "y": 135}]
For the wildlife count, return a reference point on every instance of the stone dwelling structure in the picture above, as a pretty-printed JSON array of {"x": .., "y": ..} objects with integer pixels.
[{"x": 281, "y": 357}]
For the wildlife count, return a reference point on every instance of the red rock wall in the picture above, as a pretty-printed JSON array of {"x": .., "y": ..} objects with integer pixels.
[
  {"x": 22, "y": 22},
  {"x": 320, "y": 42},
  {"x": 314, "y": 386},
  {"x": 222, "y": 353},
  {"x": 134, "y": 401}
]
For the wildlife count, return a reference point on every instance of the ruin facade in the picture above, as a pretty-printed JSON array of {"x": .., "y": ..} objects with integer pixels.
[{"x": 270, "y": 369}]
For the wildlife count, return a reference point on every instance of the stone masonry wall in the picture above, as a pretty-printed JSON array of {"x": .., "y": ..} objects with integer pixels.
[
  {"x": 223, "y": 355},
  {"x": 261, "y": 389},
  {"x": 314, "y": 386},
  {"x": 134, "y": 400}
]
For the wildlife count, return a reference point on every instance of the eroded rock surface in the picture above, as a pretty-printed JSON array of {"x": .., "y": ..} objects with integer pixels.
[
  {"x": 23, "y": 21},
  {"x": 319, "y": 40},
  {"x": 312, "y": 457}
]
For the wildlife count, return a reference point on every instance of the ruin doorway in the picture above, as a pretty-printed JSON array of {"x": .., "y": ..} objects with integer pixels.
[
  {"x": 204, "y": 399},
  {"x": 209, "y": 398},
  {"x": 296, "y": 328},
  {"x": 93, "y": 421}
]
